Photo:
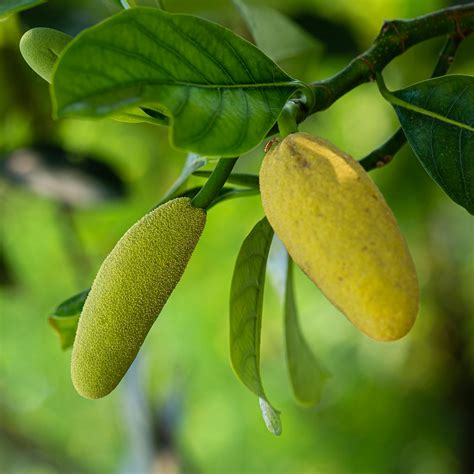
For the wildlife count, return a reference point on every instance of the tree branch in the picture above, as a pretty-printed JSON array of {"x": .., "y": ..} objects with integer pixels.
[
  {"x": 385, "y": 153},
  {"x": 394, "y": 39}
]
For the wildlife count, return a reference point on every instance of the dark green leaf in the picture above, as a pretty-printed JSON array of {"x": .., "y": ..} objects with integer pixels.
[
  {"x": 441, "y": 132},
  {"x": 246, "y": 301},
  {"x": 222, "y": 93},
  {"x": 193, "y": 162},
  {"x": 240, "y": 179},
  {"x": 65, "y": 318},
  {"x": 275, "y": 34},
  {"x": 306, "y": 374},
  {"x": 12, "y": 6}
]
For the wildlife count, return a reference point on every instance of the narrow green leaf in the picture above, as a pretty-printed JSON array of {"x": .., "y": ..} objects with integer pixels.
[
  {"x": 275, "y": 34},
  {"x": 193, "y": 163},
  {"x": 437, "y": 117},
  {"x": 227, "y": 193},
  {"x": 246, "y": 301},
  {"x": 240, "y": 179},
  {"x": 222, "y": 93},
  {"x": 65, "y": 318},
  {"x": 13, "y": 6},
  {"x": 307, "y": 376}
]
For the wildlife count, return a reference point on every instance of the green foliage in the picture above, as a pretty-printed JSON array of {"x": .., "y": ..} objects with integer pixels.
[
  {"x": 222, "y": 96},
  {"x": 445, "y": 148},
  {"x": 241, "y": 179},
  {"x": 306, "y": 374},
  {"x": 65, "y": 318},
  {"x": 275, "y": 34},
  {"x": 222, "y": 93},
  {"x": 12, "y": 6},
  {"x": 246, "y": 301}
]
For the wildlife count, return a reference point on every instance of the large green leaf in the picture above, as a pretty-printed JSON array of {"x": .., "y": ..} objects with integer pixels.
[
  {"x": 65, "y": 318},
  {"x": 12, "y": 6},
  {"x": 222, "y": 93},
  {"x": 306, "y": 373},
  {"x": 440, "y": 129},
  {"x": 246, "y": 301}
]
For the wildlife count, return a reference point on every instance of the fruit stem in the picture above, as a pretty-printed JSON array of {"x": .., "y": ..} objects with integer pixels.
[
  {"x": 287, "y": 122},
  {"x": 215, "y": 183}
]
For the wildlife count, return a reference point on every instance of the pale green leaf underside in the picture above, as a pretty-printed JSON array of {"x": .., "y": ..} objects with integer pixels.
[
  {"x": 441, "y": 132},
  {"x": 12, "y": 6},
  {"x": 222, "y": 93},
  {"x": 246, "y": 301},
  {"x": 307, "y": 376}
]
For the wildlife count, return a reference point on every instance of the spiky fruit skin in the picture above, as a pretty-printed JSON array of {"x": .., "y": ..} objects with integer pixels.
[
  {"x": 128, "y": 293},
  {"x": 338, "y": 228},
  {"x": 40, "y": 47}
]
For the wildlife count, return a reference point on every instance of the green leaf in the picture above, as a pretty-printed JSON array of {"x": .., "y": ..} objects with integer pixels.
[
  {"x": 65, "y": 318},
  {"x": 193, "y": 163},
  {"x": 227, "y": 193},
  {"x": 246, "y": 301},
  {"x": 222, "y": 93},
  {"x": 13, "y": 6},
  {"x": 240, "y": 179},
  {"x": 307, "y": 376},
  {"x": 275, "y": 34},
  {"x": 437, "y": 117}
]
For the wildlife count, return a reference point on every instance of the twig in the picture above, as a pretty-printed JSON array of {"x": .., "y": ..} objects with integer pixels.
[
  {"x": 394, "y": 39},
  {"x": 385, "y": 153}
]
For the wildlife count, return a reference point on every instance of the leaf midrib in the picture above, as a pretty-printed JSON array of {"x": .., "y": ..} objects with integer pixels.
[{"x": 216, "y": 87}]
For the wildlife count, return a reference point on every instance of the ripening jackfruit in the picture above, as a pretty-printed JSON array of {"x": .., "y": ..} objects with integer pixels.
[
  {"x": 40, "y": 48},
  {"x": 338, "y": 228},
  {"x": 128, "y": 293}
]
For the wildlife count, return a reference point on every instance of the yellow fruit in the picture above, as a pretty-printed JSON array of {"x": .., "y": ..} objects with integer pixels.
[
  {"x": 40, "y": 47},
  {"x": 338, "y": 228},
  {"x": 128, "y": 293}
]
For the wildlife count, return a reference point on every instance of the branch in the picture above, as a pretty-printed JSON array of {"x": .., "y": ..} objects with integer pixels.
[
  {"x": 394, "y": 39},
  {"x": 385, "y": 153}
]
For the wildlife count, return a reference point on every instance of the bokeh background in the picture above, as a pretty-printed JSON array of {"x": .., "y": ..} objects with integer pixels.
[{"x": 395, "y": 407}]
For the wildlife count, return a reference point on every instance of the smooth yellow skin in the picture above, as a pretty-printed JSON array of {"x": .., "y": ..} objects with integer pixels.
[
  {"x": 338, "y": 228},
  {"x": 128, "y": 293}
]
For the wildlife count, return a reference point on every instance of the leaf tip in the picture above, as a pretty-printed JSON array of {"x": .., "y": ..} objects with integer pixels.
[{"x": 271, "y": 417}]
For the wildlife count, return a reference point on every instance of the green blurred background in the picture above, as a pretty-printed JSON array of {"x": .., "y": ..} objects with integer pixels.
[{"x": 395, "y": 407}]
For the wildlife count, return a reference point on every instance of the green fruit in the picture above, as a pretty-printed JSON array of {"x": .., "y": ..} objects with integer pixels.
[
  {"x": 40, "y": 47},
  {"x": 337, "y": 227},
  {"x": 128, "y": 293}
]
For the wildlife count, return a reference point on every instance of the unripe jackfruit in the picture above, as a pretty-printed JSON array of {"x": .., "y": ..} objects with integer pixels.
[
  {"x": 338, "y": 228},
  {"x": 40, "y": 48},
  {"x": 128, "y": 293}
]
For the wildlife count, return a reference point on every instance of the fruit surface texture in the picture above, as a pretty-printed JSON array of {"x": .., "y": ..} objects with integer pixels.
[
  {"x": 128, "y": 293},
  {"x": 40, "y": 47},
  {"x": 339, "y": 230}
]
